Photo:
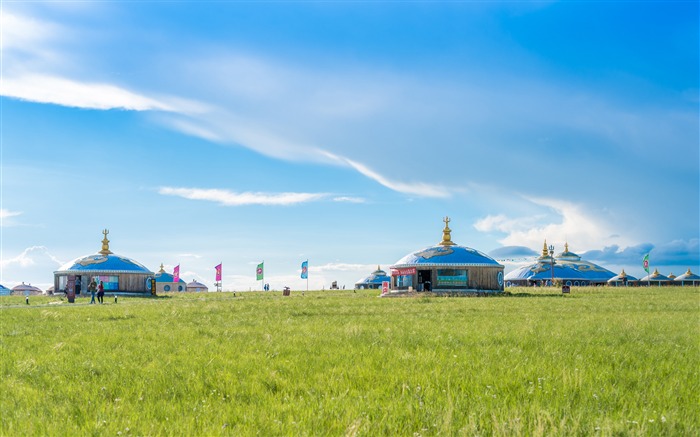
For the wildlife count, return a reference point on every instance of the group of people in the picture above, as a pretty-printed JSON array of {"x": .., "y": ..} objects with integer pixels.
[{"x": 95, "y": 288}]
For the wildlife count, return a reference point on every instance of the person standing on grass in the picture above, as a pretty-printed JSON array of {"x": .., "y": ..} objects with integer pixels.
[
  {"x": 100, "y": 292},
  {"x": 92, "y": 288}
]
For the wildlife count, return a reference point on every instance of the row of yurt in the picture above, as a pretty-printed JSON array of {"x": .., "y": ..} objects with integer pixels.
[
  {"x": 656, "y": 278},
  {"x": 566, "y": 268}
]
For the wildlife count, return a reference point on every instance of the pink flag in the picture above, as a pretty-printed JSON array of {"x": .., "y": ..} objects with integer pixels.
[
  {"x": 176, "y": 273},
  {"x": 218, "y": 272}
]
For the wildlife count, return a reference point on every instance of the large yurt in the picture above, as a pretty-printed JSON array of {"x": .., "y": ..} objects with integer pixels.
[
  {"x": 622, "y": 280},
  {"x": 118, "y": 274},
  {"x": 687, "y": 278},
  {"x": 165, "y": 282},
  {"x": 566, "y": 268},
  {"x": 373, "y": 281},
  {"x": 447, "y": 268}
]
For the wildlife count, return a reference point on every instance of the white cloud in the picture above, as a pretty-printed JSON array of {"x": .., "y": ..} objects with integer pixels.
[
  {"x": 7, "y": 214},
  {"x": 29, "y": 257},
  {"x": 342, "y": 267},
  {"x": 576, "y": 226},
  {"x": 349, "y": 199},
  {"x": 230, "y": 198}
]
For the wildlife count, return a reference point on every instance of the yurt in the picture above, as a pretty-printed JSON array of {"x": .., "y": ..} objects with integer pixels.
[
  {"x": 165, "y": 282},
  {"x": 118, "y": 274},
  {"x": 655, "y": 278},
  {"x": 373, "y": 281},
  {"x": 622, "y": 280},
  {"x": 566, "y": 268},
  {"x": 687, "y": 278},
  {"x": 26, "y": 289},
  {"x": 196, "y": 286},
  {"x": 447, "y": 268}
]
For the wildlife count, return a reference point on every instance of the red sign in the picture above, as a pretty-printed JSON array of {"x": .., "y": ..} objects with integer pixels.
[
  {"x": 403, "y": 272},
  {"x": 385, "y": 287}
]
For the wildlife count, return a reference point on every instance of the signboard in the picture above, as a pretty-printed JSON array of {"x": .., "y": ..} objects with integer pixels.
[
  {"x": 70, "y": 289},
  {"x": 565, "y": 289},
  {"x": 385, "y": 287},
  {"x": 152, "y": 285},
  {"x": 403, "y": 272}
]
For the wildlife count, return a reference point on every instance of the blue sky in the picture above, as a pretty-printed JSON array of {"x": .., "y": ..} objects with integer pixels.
[{"x": 342, "y": 132}]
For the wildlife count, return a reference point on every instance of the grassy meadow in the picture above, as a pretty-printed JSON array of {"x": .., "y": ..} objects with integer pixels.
[{"x": 601, "y": 361}]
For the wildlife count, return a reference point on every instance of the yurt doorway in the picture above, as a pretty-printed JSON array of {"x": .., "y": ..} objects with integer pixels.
[{"x": 424, "y": 283}]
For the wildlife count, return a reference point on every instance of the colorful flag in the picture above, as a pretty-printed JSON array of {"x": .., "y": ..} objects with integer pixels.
[
  {"x": 645, "y": 262},
  {"x": 305, "y": 270},
  {"x": 218, "y": 272},
  {"x": 259, "y": 272},
  {"x": 176, "y": 273}
]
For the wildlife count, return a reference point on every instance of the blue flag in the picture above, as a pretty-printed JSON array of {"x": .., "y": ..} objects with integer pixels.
[{"x": 305, "y": 269}]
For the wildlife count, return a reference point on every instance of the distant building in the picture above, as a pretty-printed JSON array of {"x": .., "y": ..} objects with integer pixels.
[
  {"x": 196, "y": 286},
  {"x": 447, "y": 268},
  {"x": 165, "y": 282},
  {"x": 118, "y": 274},
  {"x": 567, "y": 268},
  {"x": 4, "y": 291},
  {"x": 26, "y": 289},
  {"x": 373, "y": 281}
]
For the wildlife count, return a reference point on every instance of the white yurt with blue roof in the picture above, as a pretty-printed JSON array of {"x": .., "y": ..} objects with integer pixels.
[
  {"x": 447, "y": 268},
  {"x": 118, "y": 274},
  {"x": 373, "y": 281},
  {"x": 165, "y": 282}
]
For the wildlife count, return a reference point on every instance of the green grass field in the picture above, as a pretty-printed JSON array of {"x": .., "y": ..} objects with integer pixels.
[{"x": 602, "y": 361}]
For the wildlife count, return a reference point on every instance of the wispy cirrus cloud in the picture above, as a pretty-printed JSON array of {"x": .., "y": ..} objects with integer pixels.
[
  {"x": 231, "y": 198},
  {"x": 349, "y": 199}
]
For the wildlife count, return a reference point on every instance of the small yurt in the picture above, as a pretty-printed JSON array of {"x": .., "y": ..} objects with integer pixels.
[
  {"x": 26, "y": 289},
  {"x": 196, "y": 286},
  {"x": 687, "y": 278},
  {"x": 622, "y": 280},
  {"x": 165, "y": 282},
  {"x": 373, "y": 281},
  {"x": 655, "y": 278},
  {"x": 447, "y": 268}
]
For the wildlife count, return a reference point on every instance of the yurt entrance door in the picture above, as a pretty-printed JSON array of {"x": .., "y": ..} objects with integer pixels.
[{"x": 424, "y": 283}]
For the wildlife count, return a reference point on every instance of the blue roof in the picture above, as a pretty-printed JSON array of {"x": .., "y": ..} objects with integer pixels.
[
  {"x": 167, "y": 277},
  {"x": 98, "y": 263},
  {"x": 377, "y": 277},
  {"x": 446, "y": 256},
  {"x": 563, "y": 269},
  {"x": 4, "y": 290}
]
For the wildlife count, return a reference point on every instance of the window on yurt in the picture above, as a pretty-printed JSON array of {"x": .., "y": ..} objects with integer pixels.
[{"x": 451, "y": 278}]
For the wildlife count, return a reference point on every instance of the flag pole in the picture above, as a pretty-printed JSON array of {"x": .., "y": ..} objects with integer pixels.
[{"x": 307, "y": 275}]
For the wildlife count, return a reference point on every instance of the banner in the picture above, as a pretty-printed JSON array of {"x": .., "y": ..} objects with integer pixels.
[
  {"x": 305, "y": 270},
  {"x": 259, "y": 272},
  {"x": 403, "y": 272},
  {"x": 176, "y": 273},
  {"x": 218, "y": 273},
  {"x": 645, "y": 262}
]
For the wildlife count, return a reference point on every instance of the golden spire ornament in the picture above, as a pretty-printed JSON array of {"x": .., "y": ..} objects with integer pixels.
[
  {"x": 446, "y": 236},
  {"x": 105, "y": 244}
]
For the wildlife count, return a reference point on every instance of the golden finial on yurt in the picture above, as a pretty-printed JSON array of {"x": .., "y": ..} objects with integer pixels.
[
  {"x": 545, "y": 252},
  {"x": 623, "y": 274},
  {"x": 656, "y": 273},
  {"x": 446, "y": 237},
  {"x": 162, "y": 269},
  {"x": 105, "y": 244},
  {"x": 566, "y": 247}
]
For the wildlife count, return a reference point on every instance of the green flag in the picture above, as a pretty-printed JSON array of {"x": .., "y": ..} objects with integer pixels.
[
  {"x": 645, "y": 262},
  {"x": 259, "y": 272}
]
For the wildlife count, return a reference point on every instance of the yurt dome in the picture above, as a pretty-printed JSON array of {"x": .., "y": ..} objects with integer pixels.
[
  {"x": 374, "y": 280},
  {"x": 687, "y": 278},
  {"x": 656, "y": 277},
  {"x": 4, "y": 291},
  {"x": 117, "y": 273},
  {"x": 568, "y": 268},
  {"x": 447, "y": 268},
  {"x": 622, "y": 279},
  {"x": 196, "y": 286},
  {"x": 23, "y": 289}
]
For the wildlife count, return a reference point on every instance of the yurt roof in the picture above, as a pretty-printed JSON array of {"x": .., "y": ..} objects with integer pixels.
[
  {"x": 687, "y": 276},
  {"x": 656, "y": 276},
  {"x": 195, "y": 284},
  {"x": 103, "y": 262},
  {"x": 376, "y": 277},
  {"x": 26, "y": 287},
  {"x": 163, "y": 276},
  {"x": 621, "y": 277}
]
